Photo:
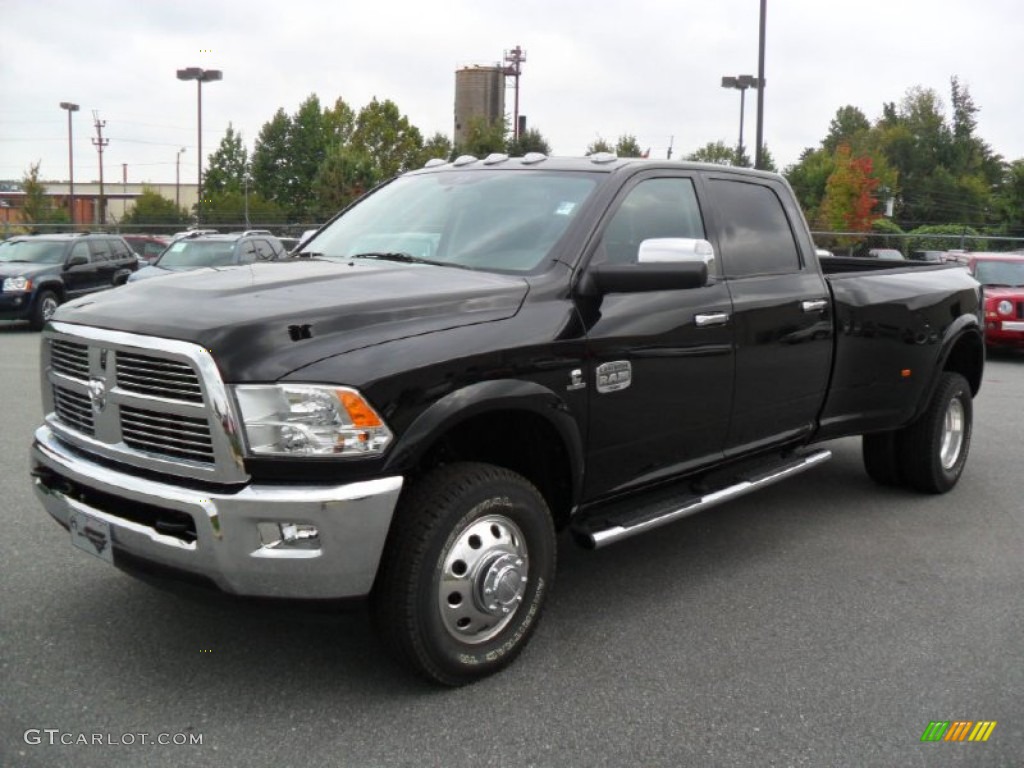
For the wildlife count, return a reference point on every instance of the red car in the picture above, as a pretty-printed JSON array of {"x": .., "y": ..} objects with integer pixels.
[{"x": 1002, "y": 274}]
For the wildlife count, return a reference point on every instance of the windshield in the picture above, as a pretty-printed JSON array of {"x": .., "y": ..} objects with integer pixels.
[
  {"x": 490, "y": 220},
  {"x": 1000, "y": 273},
  {"x": 33, "y": 252},
  {"x": 192, "y": 254}
]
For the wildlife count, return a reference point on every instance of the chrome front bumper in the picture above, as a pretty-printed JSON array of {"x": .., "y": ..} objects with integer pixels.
[{"x": 229, "y": 546}]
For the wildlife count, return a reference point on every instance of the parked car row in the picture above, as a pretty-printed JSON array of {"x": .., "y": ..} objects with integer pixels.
[
  {"x": 197, "y": 250},
  {"x": 38, "y": 273}
]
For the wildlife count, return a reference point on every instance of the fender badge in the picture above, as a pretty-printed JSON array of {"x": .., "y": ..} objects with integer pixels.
[
  {"x": 576, "y": 380},
  {"x": 612, "y": 377}
]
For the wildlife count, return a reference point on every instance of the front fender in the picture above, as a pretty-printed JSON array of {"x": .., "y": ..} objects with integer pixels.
[{"x": 484, "y": 397}]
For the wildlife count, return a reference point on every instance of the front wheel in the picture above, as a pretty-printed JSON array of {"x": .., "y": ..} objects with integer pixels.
[
  {"x": 46, "y": 304},
  {"x": 465, "y": 573},
  {"x": 933, "y": 450}
]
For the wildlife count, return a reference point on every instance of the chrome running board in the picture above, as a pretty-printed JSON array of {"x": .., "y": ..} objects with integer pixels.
[{"x": 622, "y": 525}]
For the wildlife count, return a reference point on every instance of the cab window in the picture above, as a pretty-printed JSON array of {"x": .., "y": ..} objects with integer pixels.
[
  {"x": 654, "y": 208},
  {"x": 754, "y": 235}
]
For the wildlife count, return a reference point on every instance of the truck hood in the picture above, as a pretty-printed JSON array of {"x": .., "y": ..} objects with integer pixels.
[
  {"x": 26, "y": 269},
  {"x": 1003, "y": 292},
  {"x": 263, "y": 321}
]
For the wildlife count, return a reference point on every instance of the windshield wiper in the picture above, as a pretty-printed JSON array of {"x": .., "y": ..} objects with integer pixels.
[{"x": 403, "y": 258}]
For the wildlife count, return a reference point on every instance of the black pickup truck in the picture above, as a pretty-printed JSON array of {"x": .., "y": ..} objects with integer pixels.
[{"x": 474, "y": 356}]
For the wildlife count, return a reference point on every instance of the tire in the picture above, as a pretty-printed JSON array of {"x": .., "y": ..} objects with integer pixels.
[
  {"x": 881, "y": 458},
  {"x": 46, "y": 304},
  {"x": 465, "y": 572},
  {"x": 933, "y": 449}
]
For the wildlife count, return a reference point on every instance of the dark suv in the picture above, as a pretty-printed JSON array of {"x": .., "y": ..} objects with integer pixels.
[
  {"x": 40, "y": 272},
  {"x": 201, "y": 249}
]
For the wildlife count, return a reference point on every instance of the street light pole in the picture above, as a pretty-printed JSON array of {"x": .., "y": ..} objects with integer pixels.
[
  {"x": 759, "y": 150},
  {"x": 740, "y": 83},
  {"x": 177, "y": 178},
  {"x": 71, "y": 162},
  {"x": 200, "y": 76}
]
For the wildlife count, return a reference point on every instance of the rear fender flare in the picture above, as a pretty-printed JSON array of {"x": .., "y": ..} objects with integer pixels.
[{"x": 961, "y": 329}]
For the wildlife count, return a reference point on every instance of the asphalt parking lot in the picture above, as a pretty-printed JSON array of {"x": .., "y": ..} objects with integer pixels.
[{"x": 823, "y": 622}]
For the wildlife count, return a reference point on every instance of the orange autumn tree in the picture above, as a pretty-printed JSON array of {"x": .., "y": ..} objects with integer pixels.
[{"x": 849, "y": 201}]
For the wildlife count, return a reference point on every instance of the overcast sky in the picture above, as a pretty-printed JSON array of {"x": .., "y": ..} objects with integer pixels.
[{"x": 651, "y": 68}]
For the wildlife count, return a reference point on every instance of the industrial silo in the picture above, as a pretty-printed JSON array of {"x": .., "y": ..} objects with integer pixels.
[{"x": 479, "y": 92}]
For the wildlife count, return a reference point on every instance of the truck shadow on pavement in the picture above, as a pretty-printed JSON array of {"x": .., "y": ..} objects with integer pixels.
[{"x": 275, "y": 652}]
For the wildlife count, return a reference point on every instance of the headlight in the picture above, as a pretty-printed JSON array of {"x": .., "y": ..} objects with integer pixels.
[
  {"x": 310, "y": 420},
  {"x": 1005, "y": 307},
  {"x": 15, "y": 284}
]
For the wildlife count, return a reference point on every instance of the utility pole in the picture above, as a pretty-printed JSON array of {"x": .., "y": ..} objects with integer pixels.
[
  {"x": 177, "y": 178},
  {"x": 71, "y": 161},
  {"x": 99, "y": 142},
  {"x": 514, "y": 60},
  {"x": 671, "y": 141}
]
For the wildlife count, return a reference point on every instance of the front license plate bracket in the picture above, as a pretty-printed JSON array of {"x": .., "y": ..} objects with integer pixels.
[{"x": 92, "y": 535}]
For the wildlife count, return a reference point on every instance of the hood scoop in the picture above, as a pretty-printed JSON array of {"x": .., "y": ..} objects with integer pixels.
[{"x": 300, "y": 332}]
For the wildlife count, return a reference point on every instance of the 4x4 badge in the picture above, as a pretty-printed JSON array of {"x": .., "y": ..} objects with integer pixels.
[{"x": 576, "y": 380}]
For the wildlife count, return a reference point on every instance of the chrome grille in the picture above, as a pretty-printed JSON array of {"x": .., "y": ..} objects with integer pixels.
[
  {"x": 74, "y": 409},
  {"x": 146, "y": 375},
  {"x": 70, "y": 358},
  {"x": 167, "y": 434},
  {"x": 156, "y": 404}
]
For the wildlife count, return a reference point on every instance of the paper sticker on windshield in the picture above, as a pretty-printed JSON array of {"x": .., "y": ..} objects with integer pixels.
[{"x": 565, "y": 209}]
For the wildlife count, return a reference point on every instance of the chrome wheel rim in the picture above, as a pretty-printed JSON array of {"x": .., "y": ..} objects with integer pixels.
[
  {"x": 953, "y": 426},
  {"x": 49, "y": 307},
  {"x": 484, "y": 575}
]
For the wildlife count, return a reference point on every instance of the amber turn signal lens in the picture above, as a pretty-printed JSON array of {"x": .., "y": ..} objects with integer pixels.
[{"x": 359, "y": 411}]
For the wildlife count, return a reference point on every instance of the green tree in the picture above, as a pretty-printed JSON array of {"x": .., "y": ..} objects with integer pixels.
[
  {"x": 227, "y": 166},
  {"x": 599, "y": 145},
  {"x": 346, "y": 173},
  {"x": 849, "y": 126},
  {"x": 945, "y": 237},
  {"x": 530, "y": 140},
  {"x": 339, "y": 123},
  {"x": 1008, "y": 203},
  {"x": 385, "y": 135},
  {"x": 628, "y": 146},
  {"x": 716, "y": 152},
  {"x": 235, "y": 207},
  {"x": 808, "y": 177},
  {"x": 307, "y": 148},
  {"x": 886, "y": 233},
  {"x": 38, "y": 207},
  {"x": 767, "y": 160},
  {"x": 270, "y": 159},
  {"x": 437, "y": 146},
  {"x": 483, "y": 138},
  {"x": 153, "y": 212}
]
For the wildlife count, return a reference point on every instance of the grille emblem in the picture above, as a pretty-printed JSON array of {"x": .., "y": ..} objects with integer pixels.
[{"x": 98, "y": 394}]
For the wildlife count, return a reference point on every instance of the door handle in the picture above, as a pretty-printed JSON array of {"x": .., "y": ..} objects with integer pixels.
[
  {"x": 711, "y": 318},
  {"x": 814, "y": 306}
]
